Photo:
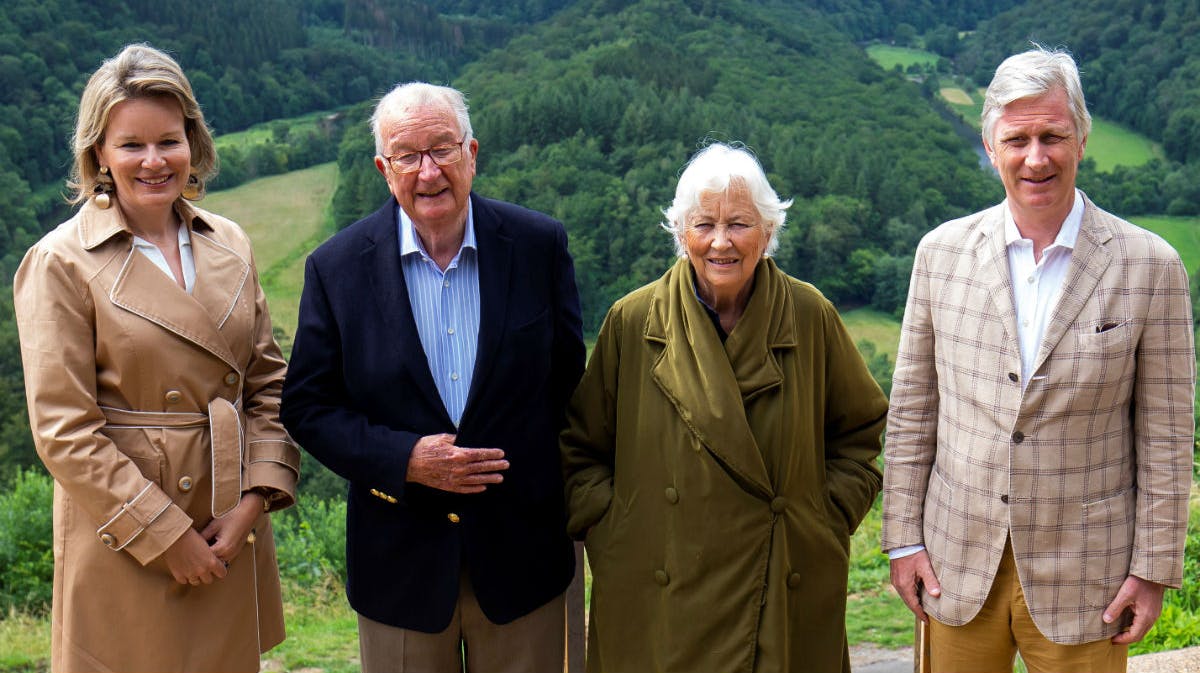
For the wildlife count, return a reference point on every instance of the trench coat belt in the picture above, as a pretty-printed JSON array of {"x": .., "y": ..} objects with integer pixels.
[{"x": 226, "y": 442}]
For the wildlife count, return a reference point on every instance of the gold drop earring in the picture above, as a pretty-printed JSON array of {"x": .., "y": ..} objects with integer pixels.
[
  {"x": 103, "y": 189},
  {"x": 192, "y": 190}
]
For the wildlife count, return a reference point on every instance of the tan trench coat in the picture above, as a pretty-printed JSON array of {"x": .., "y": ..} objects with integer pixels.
[
  {"x": 718, "y": 484},
  {"x": 141, "y": 398}
]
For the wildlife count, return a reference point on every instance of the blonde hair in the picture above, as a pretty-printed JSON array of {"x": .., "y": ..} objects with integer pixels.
[{"x": 138, "y": 71}]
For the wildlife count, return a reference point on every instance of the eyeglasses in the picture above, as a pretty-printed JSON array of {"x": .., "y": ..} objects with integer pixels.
[{"x": 442, "y": 155}]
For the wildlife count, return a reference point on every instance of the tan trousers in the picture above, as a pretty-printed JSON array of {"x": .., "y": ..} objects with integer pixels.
[
  {"x": 534, "y": 643},
  {"x": 990, "y": 641}
]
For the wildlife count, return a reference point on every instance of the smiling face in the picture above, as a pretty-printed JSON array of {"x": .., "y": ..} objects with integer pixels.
[
  {"x": 146, "y": 150},
  {"x": 1036, "y": 150},
  {"x": 435, "y": 197},
  {"x": 725, "y": 238}
]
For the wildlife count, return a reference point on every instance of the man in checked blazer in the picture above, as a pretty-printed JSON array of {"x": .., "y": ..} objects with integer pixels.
[
  {"x": 1039, "y": 443},
  {"x": 438, "y": 342}
]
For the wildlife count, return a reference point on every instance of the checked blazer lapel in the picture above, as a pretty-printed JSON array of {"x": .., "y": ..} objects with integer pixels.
[
  {"x": 992, "y": 257},
  {"x": 1088, "y": 262},
  {"x": 381, "y": 261},
  {"x": 495, "y": 266}
]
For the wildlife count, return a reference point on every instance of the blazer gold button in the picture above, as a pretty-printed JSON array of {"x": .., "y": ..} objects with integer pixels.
[
  {"x": 662, "y": 578},
  {"x": 185, "y": 483},
  {"x": 108, "y": 540},
  {"x": 173, "y": 397},
  {"x": 672, "y": 495},
  {"x": 793, "y": 580},
  {"x": 231, "y": 378},
  {"x": 453, "y": 517},
  {"x": 778, "y": 505},
  {"x": 1018, "y": 436}
]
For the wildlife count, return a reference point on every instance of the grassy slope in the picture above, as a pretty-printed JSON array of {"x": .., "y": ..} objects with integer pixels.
[
  {"x": 1183, "y": 233},
  {"x": 889, "y": 57},
  {"x": 286, "y": 216}
]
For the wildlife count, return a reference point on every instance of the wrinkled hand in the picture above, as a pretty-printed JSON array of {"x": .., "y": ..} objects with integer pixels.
[
  {"x": 1141, "y": 597},
  {"x": 909, "y": 573},
  {"x": 438, "y": 463},
  {"x": 192, "y": 561},
  {"x": 227, "y": 535}
]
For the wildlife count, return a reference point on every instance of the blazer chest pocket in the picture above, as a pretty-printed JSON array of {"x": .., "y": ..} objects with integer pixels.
[{"x": 1104, "y": 339}]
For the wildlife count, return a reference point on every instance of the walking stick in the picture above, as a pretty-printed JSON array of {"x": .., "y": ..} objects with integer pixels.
[{"x": 921, "y": 662}]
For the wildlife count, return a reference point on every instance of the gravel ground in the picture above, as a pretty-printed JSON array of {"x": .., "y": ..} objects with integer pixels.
[{"x": 866, "y": 659}]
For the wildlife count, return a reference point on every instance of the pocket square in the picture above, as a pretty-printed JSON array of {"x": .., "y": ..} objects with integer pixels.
[{"x": 1106, "y": 326}]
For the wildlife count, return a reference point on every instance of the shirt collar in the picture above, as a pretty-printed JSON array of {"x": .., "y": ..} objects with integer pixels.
[
  {"x": 411, "y": 244},
  {"x": 183, "y": 238},
  {"x": 1068, "y": 233}
]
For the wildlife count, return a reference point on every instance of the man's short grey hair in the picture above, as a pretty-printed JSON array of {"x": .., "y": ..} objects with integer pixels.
[
  {"x": 416, "y": 95},
  {"x": 1031, "y": 74},
  {"x": 712, "y": 170}
]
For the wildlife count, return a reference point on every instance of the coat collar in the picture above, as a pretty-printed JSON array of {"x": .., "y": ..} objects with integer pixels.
[
  {"x": 708, "y": 382},
  {"x": 141, "y": 288}
]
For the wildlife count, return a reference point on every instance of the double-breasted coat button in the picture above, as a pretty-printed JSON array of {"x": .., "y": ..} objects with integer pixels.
[
  {"x": 173, "y": 397},
  {"x": 661, "y": 578},
  {"x": 454, "y": 518},
  {"x": 108, "y": 540},
  {"x": 672, "y": 495},
  {"x": 1018, "y": 436},
  {"x": 231, "y": 378},
  {"x": 185, "y": 483},
  {"x": 793, "y": 580},
  {"x": 1012, "y": 376},
  {"x": 778, "y": 505}
]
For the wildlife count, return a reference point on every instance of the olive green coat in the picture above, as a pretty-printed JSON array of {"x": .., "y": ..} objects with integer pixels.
[{"x": 718, "y": 484}]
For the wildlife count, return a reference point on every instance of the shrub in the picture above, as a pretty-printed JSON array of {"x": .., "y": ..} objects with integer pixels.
[
  {"x": 311, "y": 541},
  {"x": 26, "y": 535}
]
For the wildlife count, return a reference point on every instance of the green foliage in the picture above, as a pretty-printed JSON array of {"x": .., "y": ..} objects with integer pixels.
[
  {"x": 26, "y": 555},
  {"x": 878, "y": 363},
  {"x": 1179, "y": 624},
  {"x": 310, "y": 540}
]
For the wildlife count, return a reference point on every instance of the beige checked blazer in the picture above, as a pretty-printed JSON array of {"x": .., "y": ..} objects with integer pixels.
[{"x": 1089, "y": 469}]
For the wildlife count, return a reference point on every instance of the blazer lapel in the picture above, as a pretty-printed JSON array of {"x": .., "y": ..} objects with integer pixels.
[
  {"x": 381, "y": 260},
  {"x": 992, "y": 257},
  {"x": 495, "y": 264},
  {"x": 1089, "y": 259}
]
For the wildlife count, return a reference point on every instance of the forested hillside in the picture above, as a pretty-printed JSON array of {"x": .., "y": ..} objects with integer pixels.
[
  {"x": 591, "y": 116},
  {"x": 1140, "y": 64}
]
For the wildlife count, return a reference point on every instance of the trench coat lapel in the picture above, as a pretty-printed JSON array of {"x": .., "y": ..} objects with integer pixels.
[
  {"x": 144, "y": 290},
  {"x": 1089, "y": 259},
  {"x": 494, "y": 252},
  {"x": 381, "y": 259},
  {"x": 695, "y": 373}
]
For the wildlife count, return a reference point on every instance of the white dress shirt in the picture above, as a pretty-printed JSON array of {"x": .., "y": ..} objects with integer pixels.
[{"x": 186, "y": 260}]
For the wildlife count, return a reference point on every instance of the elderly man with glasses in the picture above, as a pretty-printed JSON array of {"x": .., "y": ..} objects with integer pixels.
[{"x": 438, "y": 342}]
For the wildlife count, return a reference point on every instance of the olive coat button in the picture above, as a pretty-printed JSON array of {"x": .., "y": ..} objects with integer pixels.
[
  {"x": 793, "y": 580},
  {"x": 661, "y": 578},
  {"x": 108, "y": 540},
  {"x": 231, "y": 378},
  {"x": 185, "y": 483},
  {"x": 454, "y": 518},
  {"x": 672, "y": 495},
  {"x": 173, "y": 397},
  {"x": 778, "y": 505}
]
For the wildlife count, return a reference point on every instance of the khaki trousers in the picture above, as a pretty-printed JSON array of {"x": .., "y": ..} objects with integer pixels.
[
  {"x": 534, "y": 643},
  {"x": 990, "y": 641}
]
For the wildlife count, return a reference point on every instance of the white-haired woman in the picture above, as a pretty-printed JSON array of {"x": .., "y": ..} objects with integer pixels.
[{"x": 721, "y": 448}]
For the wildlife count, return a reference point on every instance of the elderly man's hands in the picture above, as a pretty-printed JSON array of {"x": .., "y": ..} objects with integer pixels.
[
  {"x": 909, "y": 574},
  {"x": 436, "y": 462}
]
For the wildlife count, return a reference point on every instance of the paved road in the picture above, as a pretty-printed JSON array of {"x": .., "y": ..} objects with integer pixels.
[{"x": 873, "y": 660}]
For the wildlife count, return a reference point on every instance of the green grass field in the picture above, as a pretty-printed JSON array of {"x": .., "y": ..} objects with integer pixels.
[
  {"x": 877, "y": 327},
  {"x": 286, "y": 217},
  {"x": 1113, "y": 145},
  {"x": 1183, "y": 233},
  {"x": 889, "y": 57},
  {"x": 260, "y": 133}
]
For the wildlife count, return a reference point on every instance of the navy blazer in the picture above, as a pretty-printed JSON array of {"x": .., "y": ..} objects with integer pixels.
[{"x": 359, "y": 394}]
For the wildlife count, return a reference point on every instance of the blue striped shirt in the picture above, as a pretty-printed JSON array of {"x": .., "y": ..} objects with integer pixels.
[{"x": 445, "y": 306}]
